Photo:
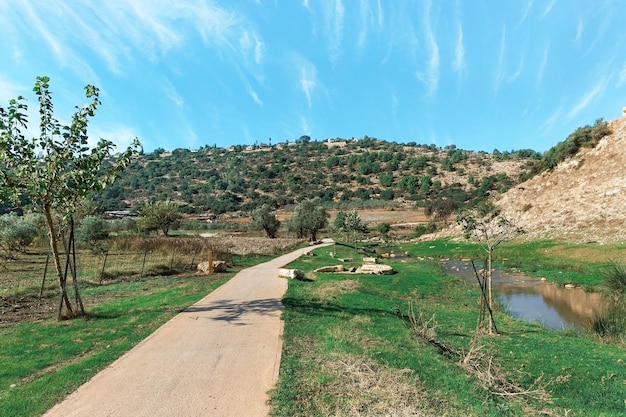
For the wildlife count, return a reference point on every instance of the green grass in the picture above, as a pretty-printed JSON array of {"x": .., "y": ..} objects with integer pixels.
[
  {"x": 338, "y": 320},
  {"x": 559, "y": 262},
  {"x": 41, "y": 362}
]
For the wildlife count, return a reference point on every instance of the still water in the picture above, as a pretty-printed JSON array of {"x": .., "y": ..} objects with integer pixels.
[{"x": 531, "y": 299}]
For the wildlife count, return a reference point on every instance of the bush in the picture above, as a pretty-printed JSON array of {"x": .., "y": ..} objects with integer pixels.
[
  {"x": 93, "y": 231},
  {"x": 422, "y": 229},
  {"x": 18, "y": 232}
]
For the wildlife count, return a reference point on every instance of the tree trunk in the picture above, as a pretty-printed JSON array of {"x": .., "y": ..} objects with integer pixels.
[
  {"x": 57, "y": 265},
  {"x": 489, "y": 287}
]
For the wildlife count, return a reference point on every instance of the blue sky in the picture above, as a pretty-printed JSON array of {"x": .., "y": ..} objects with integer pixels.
[{"x": 479, "y": 74}]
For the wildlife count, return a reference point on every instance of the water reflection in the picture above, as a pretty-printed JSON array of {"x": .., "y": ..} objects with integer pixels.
[{"x": 534, "y": 300}]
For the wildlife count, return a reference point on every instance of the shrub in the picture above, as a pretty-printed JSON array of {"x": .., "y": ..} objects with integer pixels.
[{"x": 18, "y": 232}]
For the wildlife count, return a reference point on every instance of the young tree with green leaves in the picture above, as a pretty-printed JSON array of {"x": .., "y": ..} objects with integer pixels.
[
  {"x": 263, "y": 218},
  {"x": 67, "y": 171},
  {"x": 351, "y": 224}
]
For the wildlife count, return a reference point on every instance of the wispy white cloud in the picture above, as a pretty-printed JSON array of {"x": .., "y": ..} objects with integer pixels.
[
  {"x": 579, "y": 31},
  {"x": 551, "y": 120},
  {"x": 308, "y": 81},
  {"x": 121, "y": 136},
  {"x": 120, "y": 31},
  {"x": 430, "y": 77},
  {"x": 621, "y": 81},
  {"x": 335, "y": 26},
  {"x": 305, "y": 126},
  {"x": 529, "y": 6},
  {"x": 254, "y": 95},
  {"x": 170, "y": 92},
  {"x": 547, "y": 10},
  {"x": 10, "y": 90},
  {"x": 588, "y": 98},
  {"x": 365, "y": 15},
  {"x": 251, "y": 47},
  {"x": 517, "y": 72},
  {"x": 459, "y": 63},
  {"x": 543, "y": 64},
  {"x": 501, "y": 67}
]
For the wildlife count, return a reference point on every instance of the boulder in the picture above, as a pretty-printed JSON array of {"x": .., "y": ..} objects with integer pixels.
[
  {"x": 369, "y": 260},
  {"x": 218, "y": 266},
  {"x": 290, "y": 273},
  {"x": 376, "y": 269},
  {"x": 331, "y": 269}
]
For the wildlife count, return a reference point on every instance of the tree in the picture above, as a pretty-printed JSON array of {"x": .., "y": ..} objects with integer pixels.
[
  {"x": 263, "y": 218},
  {"x": 93, "y": 231},
  {"x": 383, "y": 228},
  {"x": 18, "y": 232},
  {"x": 351, "y": 224},
  {"x": 56, "y": 170},
  {"x": 490, "y": 228},
  {"x": 309, "y": 217},
  {"x": 160, "y": 215}
]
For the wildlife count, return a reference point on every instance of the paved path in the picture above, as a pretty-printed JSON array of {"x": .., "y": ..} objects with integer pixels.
[{"x": 218, "y": 358}]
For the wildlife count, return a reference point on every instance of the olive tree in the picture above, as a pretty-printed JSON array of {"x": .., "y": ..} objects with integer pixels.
[
  {"x": 56, "y": 170},
  {"x": 160, "y": 215},
  {"x": 309, "y": 217},
  {"x": 263, "y": 218}
]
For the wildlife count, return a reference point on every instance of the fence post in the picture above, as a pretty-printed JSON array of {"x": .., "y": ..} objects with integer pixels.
[
  {"x": 210, "y": 262},
  {"x": 104, "y": 263},
  {"x": 143, "y": 263},
  {"x": 45, "y": 272}
]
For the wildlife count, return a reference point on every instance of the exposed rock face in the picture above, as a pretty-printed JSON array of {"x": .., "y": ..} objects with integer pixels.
[{"x": 582, "y": 199}]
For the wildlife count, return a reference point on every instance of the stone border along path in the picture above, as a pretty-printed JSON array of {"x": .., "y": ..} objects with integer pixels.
[{"x": 218, "y": 358}]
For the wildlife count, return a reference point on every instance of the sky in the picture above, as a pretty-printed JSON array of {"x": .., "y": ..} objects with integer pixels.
[{"x": 478, "y": 74}]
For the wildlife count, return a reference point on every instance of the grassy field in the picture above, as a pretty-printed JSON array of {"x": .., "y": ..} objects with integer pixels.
[
  {"x": 42, "y": 361},
  {"x": 350, "y": 346},
  {"x": 351, "y": 350}
]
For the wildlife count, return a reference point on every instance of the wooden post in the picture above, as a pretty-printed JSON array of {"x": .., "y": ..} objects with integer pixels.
[
  {"x": 210, "y": 262},
  {"x": 45, "y": 271}
]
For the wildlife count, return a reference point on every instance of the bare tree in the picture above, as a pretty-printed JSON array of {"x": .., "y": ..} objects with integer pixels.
[{"x": 490, "y": 228}]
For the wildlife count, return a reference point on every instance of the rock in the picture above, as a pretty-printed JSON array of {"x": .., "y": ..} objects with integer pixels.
[
  {"x": 290, "y": 273},
  {"x": 369, "y": 260},
  {"x": 331, "y": 269},
  {"x": 345, "y": 259},
  {"x": 570, "y": 286},
  {"x": 218, "y": 266},
  {"x": 376, "y": 269}
]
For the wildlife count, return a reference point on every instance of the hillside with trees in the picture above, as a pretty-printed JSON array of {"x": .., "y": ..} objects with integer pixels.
[{"x": 342, "y": 173}]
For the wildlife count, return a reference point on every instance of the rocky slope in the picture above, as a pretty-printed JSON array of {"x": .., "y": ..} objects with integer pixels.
[{"x": 583, "y": 199}]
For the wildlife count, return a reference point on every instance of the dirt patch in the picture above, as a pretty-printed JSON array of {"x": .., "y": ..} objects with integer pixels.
[{"x": 21, "y": 309}]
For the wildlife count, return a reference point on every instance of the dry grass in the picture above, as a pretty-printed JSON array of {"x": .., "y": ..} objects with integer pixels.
[
  {"x": 366, "y": 388},
  {"x": 334, "y": 289}
]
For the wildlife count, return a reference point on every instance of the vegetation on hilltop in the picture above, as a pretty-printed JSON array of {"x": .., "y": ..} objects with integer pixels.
[{"x": 339, "y": 172}]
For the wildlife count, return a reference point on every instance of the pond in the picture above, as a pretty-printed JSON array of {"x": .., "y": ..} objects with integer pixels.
[{"x": 534, "y": 300}]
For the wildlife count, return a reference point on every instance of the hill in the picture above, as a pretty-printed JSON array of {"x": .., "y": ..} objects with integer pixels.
[
  {"x": 342, "y": 172},
  {"x": 583, "y": 198}
]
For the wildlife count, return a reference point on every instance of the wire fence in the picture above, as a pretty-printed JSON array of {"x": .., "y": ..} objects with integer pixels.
[{"x": 124, "y": 259}]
